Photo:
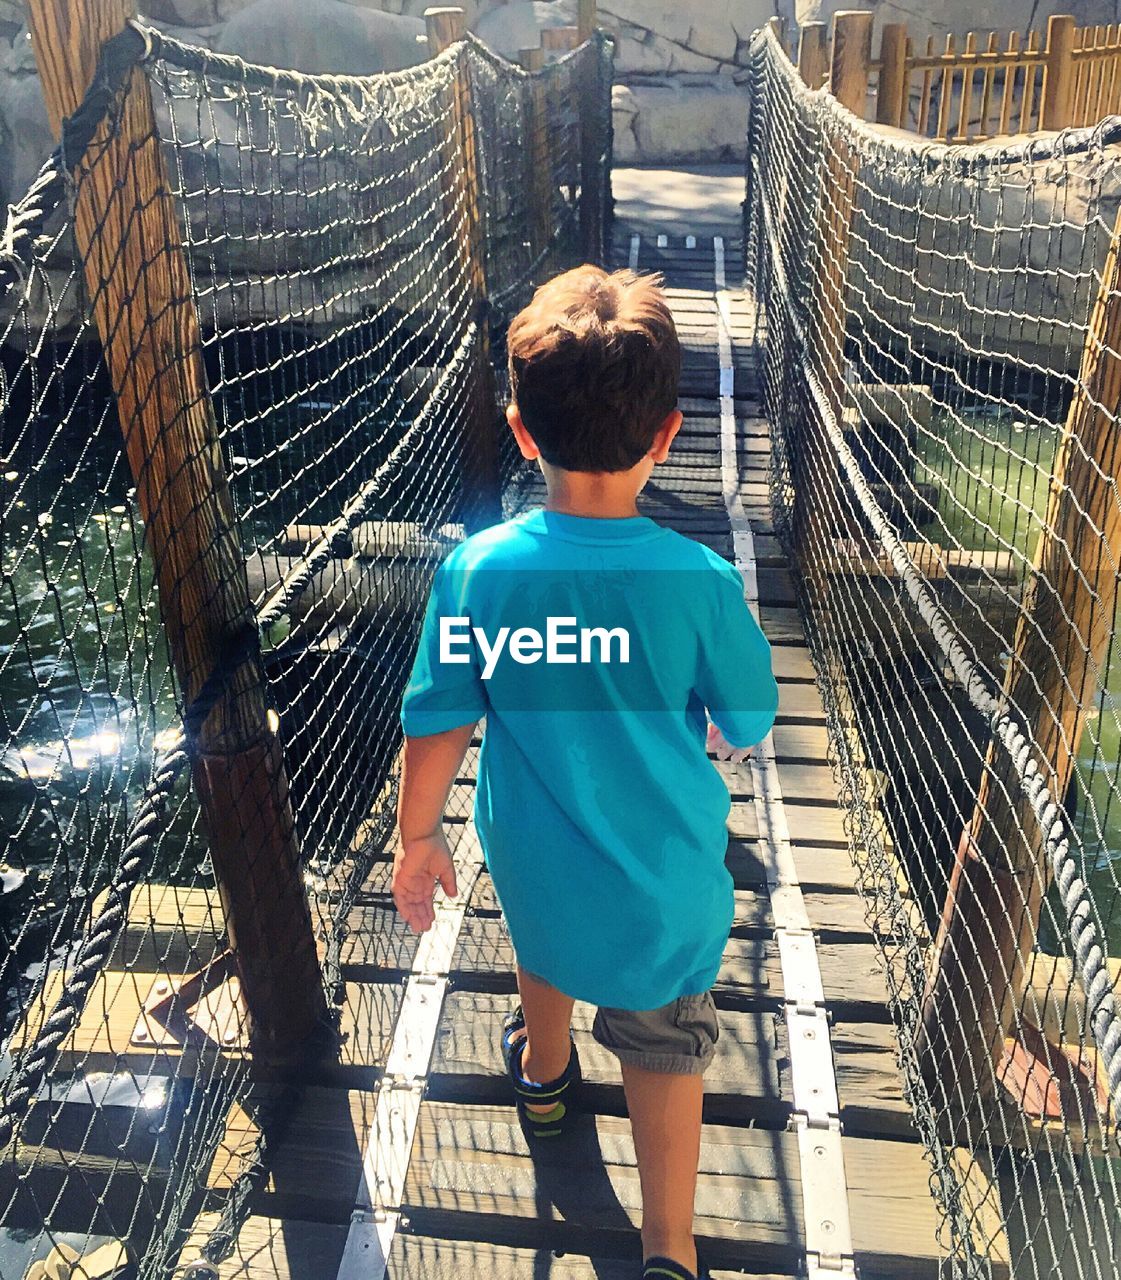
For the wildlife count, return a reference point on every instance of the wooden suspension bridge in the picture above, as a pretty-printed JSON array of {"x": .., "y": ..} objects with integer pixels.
[{"x": 405, "y": 1152}]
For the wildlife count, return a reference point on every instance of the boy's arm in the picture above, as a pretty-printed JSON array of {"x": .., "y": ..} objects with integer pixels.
[
  {"x": 736, "y": 682},
  {"x": 423, "y": 858}
]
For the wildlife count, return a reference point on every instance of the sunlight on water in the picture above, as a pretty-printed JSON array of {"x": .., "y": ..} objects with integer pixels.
[{"x": 993, "y": 472}]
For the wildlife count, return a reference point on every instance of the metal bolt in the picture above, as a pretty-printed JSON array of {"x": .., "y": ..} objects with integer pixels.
[
  {"x": 140, "y": 1034},
  {"x": 827, "y": 1226},
  {"x": 161, "y": 988},
  {"x": 230, "y": 1036}
]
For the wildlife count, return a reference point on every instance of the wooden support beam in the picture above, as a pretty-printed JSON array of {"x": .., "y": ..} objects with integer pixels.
[
  {"x": 444, "y": 25},
  {"x": 128, "y": 239},
  {"x": 1057, "y": 107},
  {"x": 482, "y": 481},
  {"x": 852, "y": 58},
  {"x": 813, "y": 54},
  {"x": 983, "y": 956},
  {"x": 891, "y": 93},
  {"x": 559, "y": 40},
  {"x": 586, "y": 19}
]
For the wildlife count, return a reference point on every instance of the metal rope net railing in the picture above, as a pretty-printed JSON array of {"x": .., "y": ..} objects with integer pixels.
[
  {"x": 940, "y": 332},
  {"x": 251, "y": 329}
]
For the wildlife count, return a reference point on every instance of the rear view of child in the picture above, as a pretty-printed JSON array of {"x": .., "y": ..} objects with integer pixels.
[{"x": 593, "y": 642}]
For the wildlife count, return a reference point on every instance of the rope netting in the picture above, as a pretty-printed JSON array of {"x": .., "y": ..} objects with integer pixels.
[
  {"x": 940, "y": 333},
  {"x": 250, "y": 361}
]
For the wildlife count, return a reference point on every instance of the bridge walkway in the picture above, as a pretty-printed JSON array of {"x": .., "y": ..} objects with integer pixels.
[{"x": 804, "y": 1006}]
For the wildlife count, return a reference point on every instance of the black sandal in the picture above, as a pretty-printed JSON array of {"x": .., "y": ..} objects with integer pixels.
[
  {"x": 665, "y": 1269},
  {"x": 557, "y": 1121}
]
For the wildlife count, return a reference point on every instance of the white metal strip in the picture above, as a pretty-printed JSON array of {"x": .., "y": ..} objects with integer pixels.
[
  {"x": 690, "y": 242},
  {"x": 389, "y": 1143},
  {"x": 636, "y": 244},
  {"x": 825, "y": 1207},
  {"x": 662, "y": 242}
]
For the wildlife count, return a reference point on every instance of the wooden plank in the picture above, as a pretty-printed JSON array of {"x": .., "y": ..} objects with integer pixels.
[
  {"x": 743, "y": 1084},
  {"x": 750, "y": 973},
  {"x": 809, "y": 824},
  {"x": 102, "y": 1039},
  {"x": 315, "y": 1167},
  {"x": 424, "y": 1258},
  {"x": 792, "y": 663},
  {"x": 801, "y": 702},
  {"x": 748, "y": 1081},
  {"x": 781, "y": 625},
  {"x": 835, "y": 916},
  {"x": 273, "y": 1248},
  {"x": 472, "y": 1175}
]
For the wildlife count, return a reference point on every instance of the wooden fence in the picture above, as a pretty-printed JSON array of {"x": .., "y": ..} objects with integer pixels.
[{"x": 985, "y": 84}]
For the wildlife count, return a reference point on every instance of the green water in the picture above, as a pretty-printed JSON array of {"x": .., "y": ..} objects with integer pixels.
[{"x": 993, "y": 473}]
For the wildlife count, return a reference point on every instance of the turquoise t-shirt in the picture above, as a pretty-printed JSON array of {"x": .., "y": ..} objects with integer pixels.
[{"x": 601, "y": 817}]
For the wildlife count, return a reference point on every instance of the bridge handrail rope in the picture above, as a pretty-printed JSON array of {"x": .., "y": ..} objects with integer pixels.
[
  {"x": 351, "y": 249},
  {"x": 958, "y": 580}
]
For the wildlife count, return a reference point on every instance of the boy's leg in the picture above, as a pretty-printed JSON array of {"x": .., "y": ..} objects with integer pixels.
[
  {"x": 548, "y": 1021},
  {"x": 665, "y": 1113},
  {"x": 664, "y": 1053}
]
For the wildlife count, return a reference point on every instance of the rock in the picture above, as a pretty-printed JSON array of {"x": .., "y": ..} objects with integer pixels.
[
  {"x": 25, "y": 136},
  {"x": 716, "y": 29},
  {"x": 1020, "y": 291},
  {"x": 670, "y": 123},
  {"x": 518, "y": 26},
  {"x": 184, "y": 13},
  {"x": 323, "y": 36}
]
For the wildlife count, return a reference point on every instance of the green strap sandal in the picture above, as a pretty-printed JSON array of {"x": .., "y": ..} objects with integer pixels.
[
  {"x": 558, "y": 1120},
  {"x": 665, "y": 1269}
]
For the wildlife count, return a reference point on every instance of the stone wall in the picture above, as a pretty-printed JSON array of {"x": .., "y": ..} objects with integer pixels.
[{"x": 680, "y": 66}]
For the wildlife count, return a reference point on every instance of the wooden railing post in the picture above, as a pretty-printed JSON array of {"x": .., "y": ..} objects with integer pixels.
[
  {"x": 136, "y": 271},
  {"x": 586, "y": 20},
  {"x": 989, "y": 925},
  {"x": 445, "y": 25},
  {"x": 1057, "y": 106},
  {"x": 891, "y": 92},
  {"x": 852, "y": 58},
  {"x": 820, "y": 516},
  {"x": 813, "y": 54}
]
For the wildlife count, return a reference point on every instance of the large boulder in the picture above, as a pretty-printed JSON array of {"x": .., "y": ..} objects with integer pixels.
[
  {"x": 518, "y": 26},
  {"x": 680, "y": 119},
  {"x": 318, "y": 36}
]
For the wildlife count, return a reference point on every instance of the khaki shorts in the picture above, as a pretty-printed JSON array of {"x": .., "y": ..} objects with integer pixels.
[{"x": 678, "y": 1039}]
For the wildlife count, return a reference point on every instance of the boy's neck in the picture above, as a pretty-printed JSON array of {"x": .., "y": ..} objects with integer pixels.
[{"x": 598, "y": 495}]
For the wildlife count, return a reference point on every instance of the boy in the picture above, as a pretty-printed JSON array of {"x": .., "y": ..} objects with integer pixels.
[{"x": 594, "y": 641}]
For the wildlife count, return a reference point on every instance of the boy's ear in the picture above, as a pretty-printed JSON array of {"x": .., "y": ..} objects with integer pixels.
[
  {"x": 663, "y": 438},
  {"x": 529, "y": 450}
]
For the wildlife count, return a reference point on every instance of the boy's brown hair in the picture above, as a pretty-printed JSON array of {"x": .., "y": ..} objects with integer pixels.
[{"x": 594, "y": 367}]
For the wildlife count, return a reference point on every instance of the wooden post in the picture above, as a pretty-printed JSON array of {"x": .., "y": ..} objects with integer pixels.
[
  {"x": 891, "y": 94},
  {"x": 586, "y": 20},
  {"x": 852, "y": 57},
  {"x": 813, "y": 54},
  {"x": 559, "y": 40},
  {"x": 1056, "y": 108},
  {"x": 127, "y": 234},
  {"x": 482, "y": 473},
  {"x": 819, "y": 516},
  {"x": 983, "y": 953}
]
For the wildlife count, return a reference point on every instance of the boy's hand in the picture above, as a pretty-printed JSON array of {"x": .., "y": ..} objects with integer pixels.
[
  {"x": 724, "y": 749},
  {"x": 421, "y": 864}
]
